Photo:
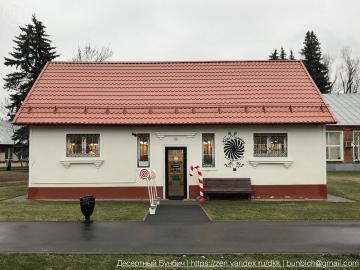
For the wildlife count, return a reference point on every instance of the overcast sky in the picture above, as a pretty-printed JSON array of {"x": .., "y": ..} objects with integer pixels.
[{"x": 139, "y": 30}]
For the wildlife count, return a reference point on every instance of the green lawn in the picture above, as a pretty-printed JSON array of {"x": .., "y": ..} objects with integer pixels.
[
  {"x": 58, "y": 210},
  {"x": 17, "y": 176},
  {"x": 344, "y": 184},
  {"x": 72, "y": 261},
  {"x": 11, "y": 192},
  {"x": 70, "y": 211}
]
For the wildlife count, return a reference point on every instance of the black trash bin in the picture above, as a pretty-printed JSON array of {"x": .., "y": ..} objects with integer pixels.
[
  {"x": 8, "y": 164},
  {"x": 87, "y": 206}
]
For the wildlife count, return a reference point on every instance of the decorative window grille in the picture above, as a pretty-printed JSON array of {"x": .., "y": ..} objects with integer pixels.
[
  {"x": 334, "y": 145},
  {"x": 143, "y": 142},
  {"x": 208, "y": 146},
  {"x": 270, "y": 145},
  {"x": 83, "y": 145}
]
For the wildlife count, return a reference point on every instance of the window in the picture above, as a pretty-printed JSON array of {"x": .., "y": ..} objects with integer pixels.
[
  {"x": 143, "y": 150},
  {"x": 356, "y": 140},
  {"x": 208, "y": 145},
  {"x": 270, "y": 145},
  {"x": 83, "y": 145},
  {"x": 334, "y": 146}
]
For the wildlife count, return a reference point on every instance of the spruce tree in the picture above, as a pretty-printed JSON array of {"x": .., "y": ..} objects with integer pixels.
[
  {"x": 31, "y": 52},
  {"x": 282, "y": 54},
  {"x": 291, "y": 55},
  {"x": 274, "y": 55},
  {"x": 313, "y": 61}
]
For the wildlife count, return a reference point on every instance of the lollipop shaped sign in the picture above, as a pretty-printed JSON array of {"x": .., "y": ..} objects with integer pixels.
[
  {"x": 144, "y": 174},
  {"x": 149, "y": 176}
]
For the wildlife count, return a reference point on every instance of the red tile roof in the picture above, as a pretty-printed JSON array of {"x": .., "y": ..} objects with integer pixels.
[{"x": 217, "y": 92}]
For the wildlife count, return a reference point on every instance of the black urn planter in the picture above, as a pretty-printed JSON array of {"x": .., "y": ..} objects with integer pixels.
[
  {"x": 87, "y": 206},
  {"x": 8, "y": 164}
]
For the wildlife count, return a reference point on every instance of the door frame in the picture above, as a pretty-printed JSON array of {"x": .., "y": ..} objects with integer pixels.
[{"x": 167, "y": 172}]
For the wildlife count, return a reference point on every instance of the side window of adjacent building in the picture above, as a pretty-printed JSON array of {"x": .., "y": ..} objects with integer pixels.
[
  {"x": 270, "y": 145},
  {"x": 143, "y": 148},
  {"x": 83, "y": 145},
  {"x": 208, "y": 150},
  {"x": 356, "y": 140},
  {"x": 334, "y": 145}
]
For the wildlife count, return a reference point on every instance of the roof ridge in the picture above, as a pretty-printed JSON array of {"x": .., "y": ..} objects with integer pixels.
[{"x": 174, "y": 62}]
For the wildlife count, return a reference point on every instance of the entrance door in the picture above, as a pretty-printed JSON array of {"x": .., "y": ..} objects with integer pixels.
[{"x": 175, "y": 163}]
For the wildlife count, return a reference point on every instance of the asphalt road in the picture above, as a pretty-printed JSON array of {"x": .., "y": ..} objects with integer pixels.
[{"x": 181, "y": 229}]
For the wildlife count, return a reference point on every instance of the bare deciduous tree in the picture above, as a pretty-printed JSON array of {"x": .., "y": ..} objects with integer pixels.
[
  {"x": 328, "y": 62},
  {"x": 92, "y": 54},
  {"x": 349, "y": 73},
  {"x": 3, "y": 109}
]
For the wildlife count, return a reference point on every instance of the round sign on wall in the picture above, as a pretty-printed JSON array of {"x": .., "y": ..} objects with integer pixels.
[{"x": 144, "y": 174}]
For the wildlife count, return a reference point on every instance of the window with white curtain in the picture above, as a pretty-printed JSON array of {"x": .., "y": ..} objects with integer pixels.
[{"x": 334, "y": 145}]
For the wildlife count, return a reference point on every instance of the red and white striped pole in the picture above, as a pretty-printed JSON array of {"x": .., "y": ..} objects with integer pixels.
[{"x": 201, "y": 198}]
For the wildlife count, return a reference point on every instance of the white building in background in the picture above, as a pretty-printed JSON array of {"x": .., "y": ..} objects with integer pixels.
[{"x": 343, "y": 138}]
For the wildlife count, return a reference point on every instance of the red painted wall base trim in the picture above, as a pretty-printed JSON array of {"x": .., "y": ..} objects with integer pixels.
[
  {"x": 259, "y": 192},
  {"x": 98, "y": 192},
  {"x": 193, "y": 191},
  {"x": 289, "y": 192}
]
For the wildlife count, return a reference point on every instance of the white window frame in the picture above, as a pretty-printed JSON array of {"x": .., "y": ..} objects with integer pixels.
[
  {"x": 142, "y": 164},
  {"x": 266, "y": 133},
  {"x": 354, "y": 146},
  {"x": 83, "y": 145},
  {"x": 212, "y": 166},
  {"x": 341, "y": 144}
]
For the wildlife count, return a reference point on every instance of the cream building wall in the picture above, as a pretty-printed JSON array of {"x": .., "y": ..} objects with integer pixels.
[{"x": 117, "y": 164}]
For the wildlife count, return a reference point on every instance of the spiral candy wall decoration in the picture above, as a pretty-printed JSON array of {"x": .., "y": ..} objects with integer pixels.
[{"x": 234, "y": 149}]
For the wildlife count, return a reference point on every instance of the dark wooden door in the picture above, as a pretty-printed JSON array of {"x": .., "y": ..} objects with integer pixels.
[{"x": 175, "y": 163}]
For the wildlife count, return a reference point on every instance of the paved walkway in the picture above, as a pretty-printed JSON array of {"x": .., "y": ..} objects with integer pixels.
[
  {"x": 165, "y": 233},
  {"x": 178, "y": 214}
]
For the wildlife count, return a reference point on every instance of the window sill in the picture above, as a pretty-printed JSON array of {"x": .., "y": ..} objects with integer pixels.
[
  {"x": 285, "y": 162},
  {"x": 68, "y": 162},
  {"x": 209, "y": 168}
]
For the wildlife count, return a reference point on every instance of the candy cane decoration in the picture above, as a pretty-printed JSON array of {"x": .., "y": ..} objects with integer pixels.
[{"x": 200, "y": 179}]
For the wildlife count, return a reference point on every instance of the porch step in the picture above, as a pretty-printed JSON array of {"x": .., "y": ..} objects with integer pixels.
[{"x": 179, "y": 202}]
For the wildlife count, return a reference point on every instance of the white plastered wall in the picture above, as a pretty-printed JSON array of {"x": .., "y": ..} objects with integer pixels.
[{"x": 305, "y": 163}]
